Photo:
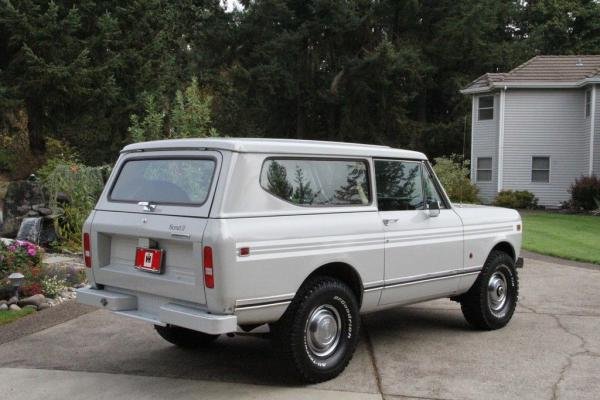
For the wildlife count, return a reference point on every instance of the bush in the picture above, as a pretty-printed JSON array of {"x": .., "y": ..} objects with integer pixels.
[
  {"x": 521, "y": 199},
  {"x": 53, "y": 286},
  {"x": 83, "y": 185},
  {"x": 454, "y": 176},
  {"x": 23, "y": 257},
  {"x": 585, "y": 193}
]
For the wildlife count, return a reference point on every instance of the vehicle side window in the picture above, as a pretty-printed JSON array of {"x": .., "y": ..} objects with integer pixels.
[
  {"x": 431, "y": 191},
  {"x": 399, "y": 185},
  {"x": 317, "y": 182}
]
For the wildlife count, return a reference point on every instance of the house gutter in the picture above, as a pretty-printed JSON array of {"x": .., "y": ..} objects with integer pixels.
[
  {"x": 592, "y": 130},
  {"x": 532, "y": 85},
  {"x": 501, "y": 139}
]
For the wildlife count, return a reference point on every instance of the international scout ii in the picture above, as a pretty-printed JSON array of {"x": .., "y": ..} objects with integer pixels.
[{"x": 203, "y": 237}]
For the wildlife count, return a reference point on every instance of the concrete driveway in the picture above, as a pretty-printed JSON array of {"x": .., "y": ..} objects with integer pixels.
[{"x": 550, "y": 350}]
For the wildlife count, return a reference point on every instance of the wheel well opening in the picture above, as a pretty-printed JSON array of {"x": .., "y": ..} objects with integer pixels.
[
  {"x": 344, "y": 273},
  {"x": 506, "y": 248}
]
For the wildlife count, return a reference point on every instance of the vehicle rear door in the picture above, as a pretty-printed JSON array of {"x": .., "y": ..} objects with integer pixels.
[{"x": 156, "y": 200}]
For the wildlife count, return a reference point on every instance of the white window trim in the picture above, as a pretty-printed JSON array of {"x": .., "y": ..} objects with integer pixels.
[
  {"x": 486, "y": 108},
  {"x": 477, "y": 169},
  {"x": 592, "y": 128},
  {"x": 549, "y": 169}
]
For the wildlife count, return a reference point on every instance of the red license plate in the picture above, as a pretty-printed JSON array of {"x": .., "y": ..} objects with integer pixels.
[{"x": 150, "y": 260}]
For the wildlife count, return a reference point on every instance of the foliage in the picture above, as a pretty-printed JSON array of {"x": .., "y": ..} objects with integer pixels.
[
  {"x": 16, "y": 158},
  {"x": 190, "y": 116},
  {"x": 570, "y": 236},
  {"x": 23, "y": 257},
  {"x": 191, "y": 113},
  {"x": 585, "y": 193},
  {"x": 454, "y": 177},
  {"x": 57, "y": 152},
  {"x": 83, "y": 185},
  {"x": 53, "y": 286},
  {"x": 385, "y": 72},
  {"x": 519, "y": 199}
]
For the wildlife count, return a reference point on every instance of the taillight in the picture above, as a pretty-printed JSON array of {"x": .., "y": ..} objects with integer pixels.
[
  {"x": 207, "y": 263},
  {"x": 87, "y": 250}
]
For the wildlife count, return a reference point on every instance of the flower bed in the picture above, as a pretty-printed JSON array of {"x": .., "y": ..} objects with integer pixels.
[{"x": 43, "y": 285}]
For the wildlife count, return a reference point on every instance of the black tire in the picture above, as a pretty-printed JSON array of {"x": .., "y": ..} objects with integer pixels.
[
  {"x": 328, "y": 303},
  {"x": 183, "y": 337},
  {"x": 482, "y": 305}
]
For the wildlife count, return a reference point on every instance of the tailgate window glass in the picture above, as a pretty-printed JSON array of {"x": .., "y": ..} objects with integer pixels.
[{"x": 164, "y": 181}]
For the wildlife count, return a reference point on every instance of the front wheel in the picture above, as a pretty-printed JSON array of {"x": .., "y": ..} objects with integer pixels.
[
  {"x": 319, "y": 331},
  {"x": 491, "y": 301}
]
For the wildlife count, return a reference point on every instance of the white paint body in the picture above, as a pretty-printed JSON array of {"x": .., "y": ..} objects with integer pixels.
[{"x": 416, "y": 258}]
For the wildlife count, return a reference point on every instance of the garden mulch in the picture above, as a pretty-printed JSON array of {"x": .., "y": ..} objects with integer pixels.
[{"x": 42, "y": 320}]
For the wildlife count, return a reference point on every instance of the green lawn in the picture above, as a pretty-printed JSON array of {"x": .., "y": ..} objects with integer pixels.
[
  {"x": 574, "y": 237},
  {"x": 9, "y": 316}
]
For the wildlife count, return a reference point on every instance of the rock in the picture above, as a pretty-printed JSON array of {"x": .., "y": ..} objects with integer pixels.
[
  {"x": 43, "y": 306},
  {"x": 63, "y": 198},
  {"x": 80, "y": 285},
  {"x": 34, "y": 300},
  {"x": 3, "y": 307},
  {"x": 32, "y": 307},
  {"x": 32, "y": 213},
  {"x": 20, "y": 196},
  {"x": 14, "y": 307},
  {"x": 12, "y": 300},
  {"x": 44, "y": 211},
  {"x": 3, "y": 302}
]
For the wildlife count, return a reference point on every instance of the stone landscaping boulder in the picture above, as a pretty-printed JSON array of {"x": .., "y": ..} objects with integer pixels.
[
  {"x": 14, "y": 307},
  {"x": 34, "y": 300},
  {"x": 19, "y": 200},
  {"x": 43, "y": 306},
  {"x": 3, "y": 307},
  {"x": 12, "y": 300}
]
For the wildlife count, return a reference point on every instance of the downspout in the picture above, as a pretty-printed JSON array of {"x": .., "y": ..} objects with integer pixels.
[
  {"x": 501, "y": 139},
  {"x": 592, "y": 129},
  {"x": 473, "y": 111}
]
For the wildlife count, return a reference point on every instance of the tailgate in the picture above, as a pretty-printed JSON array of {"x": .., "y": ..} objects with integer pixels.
[
  {"x": 155, "y": 200},
  {"x": 116, "y": 236}
]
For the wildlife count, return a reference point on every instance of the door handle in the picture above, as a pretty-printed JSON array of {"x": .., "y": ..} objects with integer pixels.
[
  {"x": 386, "y": 222},
  {"x": 148, "y": 206}
]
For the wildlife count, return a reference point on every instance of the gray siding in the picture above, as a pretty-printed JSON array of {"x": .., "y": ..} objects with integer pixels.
[
  {"x": 485, "y": 144},
  {"x": 545, "y": 123},
  {"x": 597, "y": 135}
]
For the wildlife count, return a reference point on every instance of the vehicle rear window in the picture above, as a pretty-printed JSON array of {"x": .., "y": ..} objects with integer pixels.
[
  {"x": 164, "y": 181},
  {"x": 317, "y": 182}
]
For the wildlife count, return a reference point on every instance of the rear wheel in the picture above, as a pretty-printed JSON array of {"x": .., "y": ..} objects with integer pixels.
[
  {"x": 491, "y": 301},
  {"x": 319, "y": 332},
  {"x": 183, "y": 337}
]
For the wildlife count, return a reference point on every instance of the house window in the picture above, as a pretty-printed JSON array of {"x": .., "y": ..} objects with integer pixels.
[
  {"x": 540, "y": 169},
  {"x": 588, "y": 103},
  {"x": 484, "y": 169},
  {"x": 486, "y": 108}
]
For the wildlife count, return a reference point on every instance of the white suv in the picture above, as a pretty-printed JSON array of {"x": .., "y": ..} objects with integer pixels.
[{"x": 203, "y": 237}]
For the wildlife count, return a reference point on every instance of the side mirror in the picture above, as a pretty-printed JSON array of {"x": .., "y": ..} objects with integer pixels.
[{"x": 433, "y": 208}]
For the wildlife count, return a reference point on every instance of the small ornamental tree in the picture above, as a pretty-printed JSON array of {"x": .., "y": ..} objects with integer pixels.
[{"x": 585, "y": 193}]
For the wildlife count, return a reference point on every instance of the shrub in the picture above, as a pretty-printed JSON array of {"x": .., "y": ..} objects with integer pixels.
[
  {"x": 53, "y": 286},
  {"x": 454, "y": 176},
  {"x": 83, "y": 185},
  {"x": 521, "y": 199},
  {"x": 23, "y": 257},
  {"x": 585, "y": 193}
]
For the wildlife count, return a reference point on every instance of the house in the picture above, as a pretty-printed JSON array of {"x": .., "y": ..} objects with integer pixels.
[{"x": 536, "y": 128}]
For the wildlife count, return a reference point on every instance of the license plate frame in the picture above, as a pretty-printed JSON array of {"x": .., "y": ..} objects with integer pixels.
[{"x": 149, "y": 260}]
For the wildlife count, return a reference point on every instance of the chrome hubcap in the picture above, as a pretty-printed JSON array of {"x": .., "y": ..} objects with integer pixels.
[
  {"x": 323, "y": 330},
  {"x": 497, "y": 287}
]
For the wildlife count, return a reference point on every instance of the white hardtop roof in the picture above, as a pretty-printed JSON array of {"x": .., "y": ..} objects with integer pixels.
[{"x": 278, "y": 146}]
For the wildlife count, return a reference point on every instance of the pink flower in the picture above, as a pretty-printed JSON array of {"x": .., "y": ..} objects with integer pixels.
[{"x": 32, "y": 251}]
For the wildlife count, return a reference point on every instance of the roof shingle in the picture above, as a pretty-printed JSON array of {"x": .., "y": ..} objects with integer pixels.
[{"x": 544, "y": 69}]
